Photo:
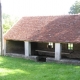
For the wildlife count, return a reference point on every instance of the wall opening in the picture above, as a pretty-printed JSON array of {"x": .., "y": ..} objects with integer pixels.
[
  {"x": 71, "y": 51},
  {"x": 42, "y": 49},
  {"x": 16, "y": 47}
]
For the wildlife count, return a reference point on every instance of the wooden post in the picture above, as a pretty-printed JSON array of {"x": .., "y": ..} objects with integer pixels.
[{"x": 1, "y": 39}]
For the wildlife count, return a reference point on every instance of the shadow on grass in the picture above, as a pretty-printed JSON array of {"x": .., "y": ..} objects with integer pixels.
[{"x": 22, "y": 69}]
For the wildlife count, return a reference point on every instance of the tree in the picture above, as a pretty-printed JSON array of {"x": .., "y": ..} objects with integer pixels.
[
  {"x": 75, "y": 8},
  {"x": 8, "y": 21},
  {"x": 1, "y": 39}
]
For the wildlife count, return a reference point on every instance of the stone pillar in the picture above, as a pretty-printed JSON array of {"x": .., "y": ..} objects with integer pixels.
[
  {"x": 57, "y": 51},
  {"x": 4, "y": 47},
  {"x": 27, "y": 49}
]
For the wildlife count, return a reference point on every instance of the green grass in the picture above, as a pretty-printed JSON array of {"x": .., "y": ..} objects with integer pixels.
[{"x": 22, "y": 69}]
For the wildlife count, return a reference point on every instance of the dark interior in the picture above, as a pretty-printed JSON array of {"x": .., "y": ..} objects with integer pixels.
[
  {"x": 71, "y": 54},
  {"x": 44, "y": 50},
  {"x": 15, "y": 47},
  {"x": 66, "y": 54}
]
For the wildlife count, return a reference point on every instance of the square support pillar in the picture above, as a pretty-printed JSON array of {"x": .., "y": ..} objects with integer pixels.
[
  {"x": 27, "y": 49},
  {"x": 57, "y": 51},
  {"x": 4, "y": 47}
]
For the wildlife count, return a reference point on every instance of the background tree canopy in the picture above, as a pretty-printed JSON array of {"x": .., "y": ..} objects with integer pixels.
[
  {"x": 8, "y": 21},
  {"x": 75, "y": 8}
]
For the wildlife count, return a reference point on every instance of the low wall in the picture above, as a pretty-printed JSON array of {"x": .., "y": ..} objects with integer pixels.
[{"x": 75, "y": 55}]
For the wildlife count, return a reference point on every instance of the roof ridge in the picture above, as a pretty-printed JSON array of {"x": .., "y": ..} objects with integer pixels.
[{"x": 53, "y": 15}]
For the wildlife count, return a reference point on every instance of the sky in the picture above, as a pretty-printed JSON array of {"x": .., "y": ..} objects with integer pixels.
[{"x": 36, "y": 7}]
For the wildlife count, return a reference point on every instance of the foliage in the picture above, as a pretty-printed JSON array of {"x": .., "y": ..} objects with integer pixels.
[
  {"x": 75, "y": 8},
  {"x": 22, "y": 69},
  {"x": 8, "y": 21}
]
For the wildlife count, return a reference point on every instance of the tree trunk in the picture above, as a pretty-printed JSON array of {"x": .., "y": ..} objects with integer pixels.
[{"x": 1, "y": 39}]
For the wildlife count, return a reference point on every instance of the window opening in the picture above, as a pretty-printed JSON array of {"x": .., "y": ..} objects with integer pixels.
[
  {"x": 70, "y": 46},
  {"x": 50, "y": 45}
]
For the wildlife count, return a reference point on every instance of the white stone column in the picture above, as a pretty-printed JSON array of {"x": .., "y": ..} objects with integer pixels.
[
  {"x": 57, "y": 51},
  {"x": 27, "y": 49},
  {"x": 4, "y": 47}
]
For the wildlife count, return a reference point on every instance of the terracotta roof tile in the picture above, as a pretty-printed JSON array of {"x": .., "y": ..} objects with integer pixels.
[{"x": 62, "y": 29}]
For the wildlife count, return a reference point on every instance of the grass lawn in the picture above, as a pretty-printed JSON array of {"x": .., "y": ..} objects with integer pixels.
[{"x": 22, "y": 69}]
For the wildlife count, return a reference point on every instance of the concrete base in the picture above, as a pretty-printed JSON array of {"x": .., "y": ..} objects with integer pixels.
[
  {"x": 15, "y": 55},
  {"x": 48, "y": 59},
  {"x": 34, "y": 58},
  {"x": 65, "y": 61}
]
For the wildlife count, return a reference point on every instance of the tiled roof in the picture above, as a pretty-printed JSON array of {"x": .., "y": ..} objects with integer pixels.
[{"x": 62, "y": 29}]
